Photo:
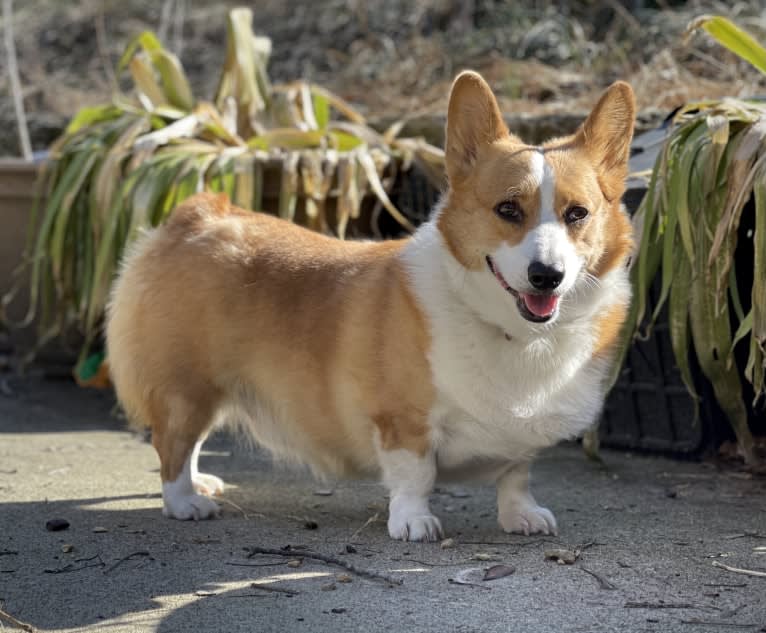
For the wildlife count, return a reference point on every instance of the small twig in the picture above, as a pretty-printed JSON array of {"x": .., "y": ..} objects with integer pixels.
[
  {"x": 603, "y": 583},
  {"x": 423, "y": 562},
  {"x": 289, "y": 592},
  {"x": 330, "y": 560},
  {"x": 368, "y": 522},
  {"x": 70, "y": 567},
  {"x": 730, "y": 537},
  {"x": 714, "y": 623},
  {"x": 245, "y": 515},
  {"x": 126, "y": 558},
  {"x": 85, "y": 560},
  {"x": 524, "y": 544},
  {"x": 256, "y": 564},
  {"x": 665, "y": 605},
  {"x": 739, "y": 570},
  {"x": 13, "y": 75},
  {"x": 8, "y": 552},
  {"x": 245, "y": 595},
  {"x": 11, "y": 620},
  {"x": 724, "y": 584}
]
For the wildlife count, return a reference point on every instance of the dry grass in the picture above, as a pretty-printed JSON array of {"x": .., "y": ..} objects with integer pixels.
[{"x": 396, "y": 57}]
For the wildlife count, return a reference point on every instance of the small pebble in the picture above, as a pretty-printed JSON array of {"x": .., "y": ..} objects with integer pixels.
[
  {"x": 311, "y": 525},
  {"x": 338, "y": 610},
  {"x": 56, "y": 525},
  {"x": 343, "y": 578},
  {"x": 296, "y": 562},
  {"x": 99, "y": 530},
  {"x": 330, "y": 586},
  {"x": 449, "y": 543},
  {"x": 350, "y": 549},
  {"x": 67, "y": 548},
  {"x": 324, "y": 492},
  {"x": 482, "y": 556}
]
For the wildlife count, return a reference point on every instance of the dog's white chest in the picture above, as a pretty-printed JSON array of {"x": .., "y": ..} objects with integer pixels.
[{"x": 500, "y": 402}]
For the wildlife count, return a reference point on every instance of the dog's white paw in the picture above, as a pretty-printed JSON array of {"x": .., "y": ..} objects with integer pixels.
[
  {"x": 411, "y": 520},
  {"x": 415, "y": 528},
  {"x": 209, "y": 485},
  {"x": 526, "y": 517},
  {"x": 190, "y": 507}
]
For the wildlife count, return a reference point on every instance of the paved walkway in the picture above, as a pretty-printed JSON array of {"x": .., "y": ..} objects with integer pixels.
[{"x": 649, "y": 532}]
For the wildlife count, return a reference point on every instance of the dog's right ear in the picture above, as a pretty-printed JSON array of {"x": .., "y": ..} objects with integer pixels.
[{"x": 473, "y": 120}]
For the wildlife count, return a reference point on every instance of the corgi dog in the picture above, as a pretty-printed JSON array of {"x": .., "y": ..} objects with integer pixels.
[{"x": 456, "y": 353}]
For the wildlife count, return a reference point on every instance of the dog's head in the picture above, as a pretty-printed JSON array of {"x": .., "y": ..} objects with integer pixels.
[{"x": 535, "y": 226}]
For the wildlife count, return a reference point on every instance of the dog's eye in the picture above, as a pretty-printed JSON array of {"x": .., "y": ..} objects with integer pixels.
[
  {"x": 510, "y": 211},
  {"x": 575, "y": 214}
]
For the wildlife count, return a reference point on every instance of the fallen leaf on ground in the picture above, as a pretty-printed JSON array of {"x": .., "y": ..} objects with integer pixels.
[
  {"x": 498, "y": 571},
  {"x": 471, "y": 576}
]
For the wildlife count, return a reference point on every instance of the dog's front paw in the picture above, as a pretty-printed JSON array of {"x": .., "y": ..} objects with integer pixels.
[
  {"x": 188, "y": 507},
  {"x": 411, "y": 520},
  {"x": 209, "y": 485},
  {"x": 526, "y": 517},
  {"x": 415, "y": 528}
]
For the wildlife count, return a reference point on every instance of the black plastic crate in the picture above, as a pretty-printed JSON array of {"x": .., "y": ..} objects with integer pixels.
[{"x": 649, "y": 407}]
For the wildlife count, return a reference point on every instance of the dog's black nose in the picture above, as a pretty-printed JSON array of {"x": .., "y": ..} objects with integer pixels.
[{"x": 544, "y": 277}]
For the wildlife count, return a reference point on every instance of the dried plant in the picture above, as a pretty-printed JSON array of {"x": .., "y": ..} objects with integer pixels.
[{"x": 124, "y": 166}]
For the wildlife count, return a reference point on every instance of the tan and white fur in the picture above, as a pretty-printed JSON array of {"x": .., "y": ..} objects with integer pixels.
[{"x": 457, "y": 353}]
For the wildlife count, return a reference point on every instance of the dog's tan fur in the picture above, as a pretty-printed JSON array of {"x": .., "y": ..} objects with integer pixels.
[{"x": 223, "y": 297}]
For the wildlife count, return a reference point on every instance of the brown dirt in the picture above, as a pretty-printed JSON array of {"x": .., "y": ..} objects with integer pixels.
[{"x": 393, "y": 58}]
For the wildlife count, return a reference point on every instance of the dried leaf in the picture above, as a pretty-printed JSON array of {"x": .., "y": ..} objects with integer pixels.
[
  {"x": 498, "y": 571},
  {"x": 472, "y": 576},
  {"x": 561, "y": 556}
]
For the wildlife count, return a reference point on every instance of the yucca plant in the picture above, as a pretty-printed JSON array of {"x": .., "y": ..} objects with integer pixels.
[
  {"x": 713, "y": 161},
  {"x": 127, "y": 165}
]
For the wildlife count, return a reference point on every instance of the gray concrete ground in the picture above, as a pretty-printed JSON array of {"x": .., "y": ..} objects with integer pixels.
[{"x": 651, "y": 531}]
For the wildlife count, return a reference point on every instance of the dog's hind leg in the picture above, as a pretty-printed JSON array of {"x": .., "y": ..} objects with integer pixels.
[
  {"x": 178, "y": 440},
  {"x": 204, "y": 483}
]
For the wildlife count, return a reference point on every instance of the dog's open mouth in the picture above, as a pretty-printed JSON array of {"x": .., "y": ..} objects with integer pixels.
[{"x": 535, "y": 307}]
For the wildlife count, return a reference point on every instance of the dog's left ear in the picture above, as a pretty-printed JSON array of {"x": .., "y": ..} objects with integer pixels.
[{"x": 606, "y": 136}]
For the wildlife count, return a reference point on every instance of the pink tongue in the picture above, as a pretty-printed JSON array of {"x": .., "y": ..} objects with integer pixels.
[{"x": 540, "y": 305}]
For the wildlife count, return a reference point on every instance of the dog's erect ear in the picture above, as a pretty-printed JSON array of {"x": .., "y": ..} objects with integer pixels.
[
  {"x": 473, "y": 119},
  {"x": 606, "y": 136}
]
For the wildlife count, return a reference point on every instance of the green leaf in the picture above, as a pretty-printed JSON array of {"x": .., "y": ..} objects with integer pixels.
[
  {"x": 88, "y": 116},
  {"x": 344, "y": 142},
  {"x": 728, "y": 34},
  {"x": 678, "y": 323},
  {"x": 759, "y": 274},
  {"x": 321, "y": 109}
]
